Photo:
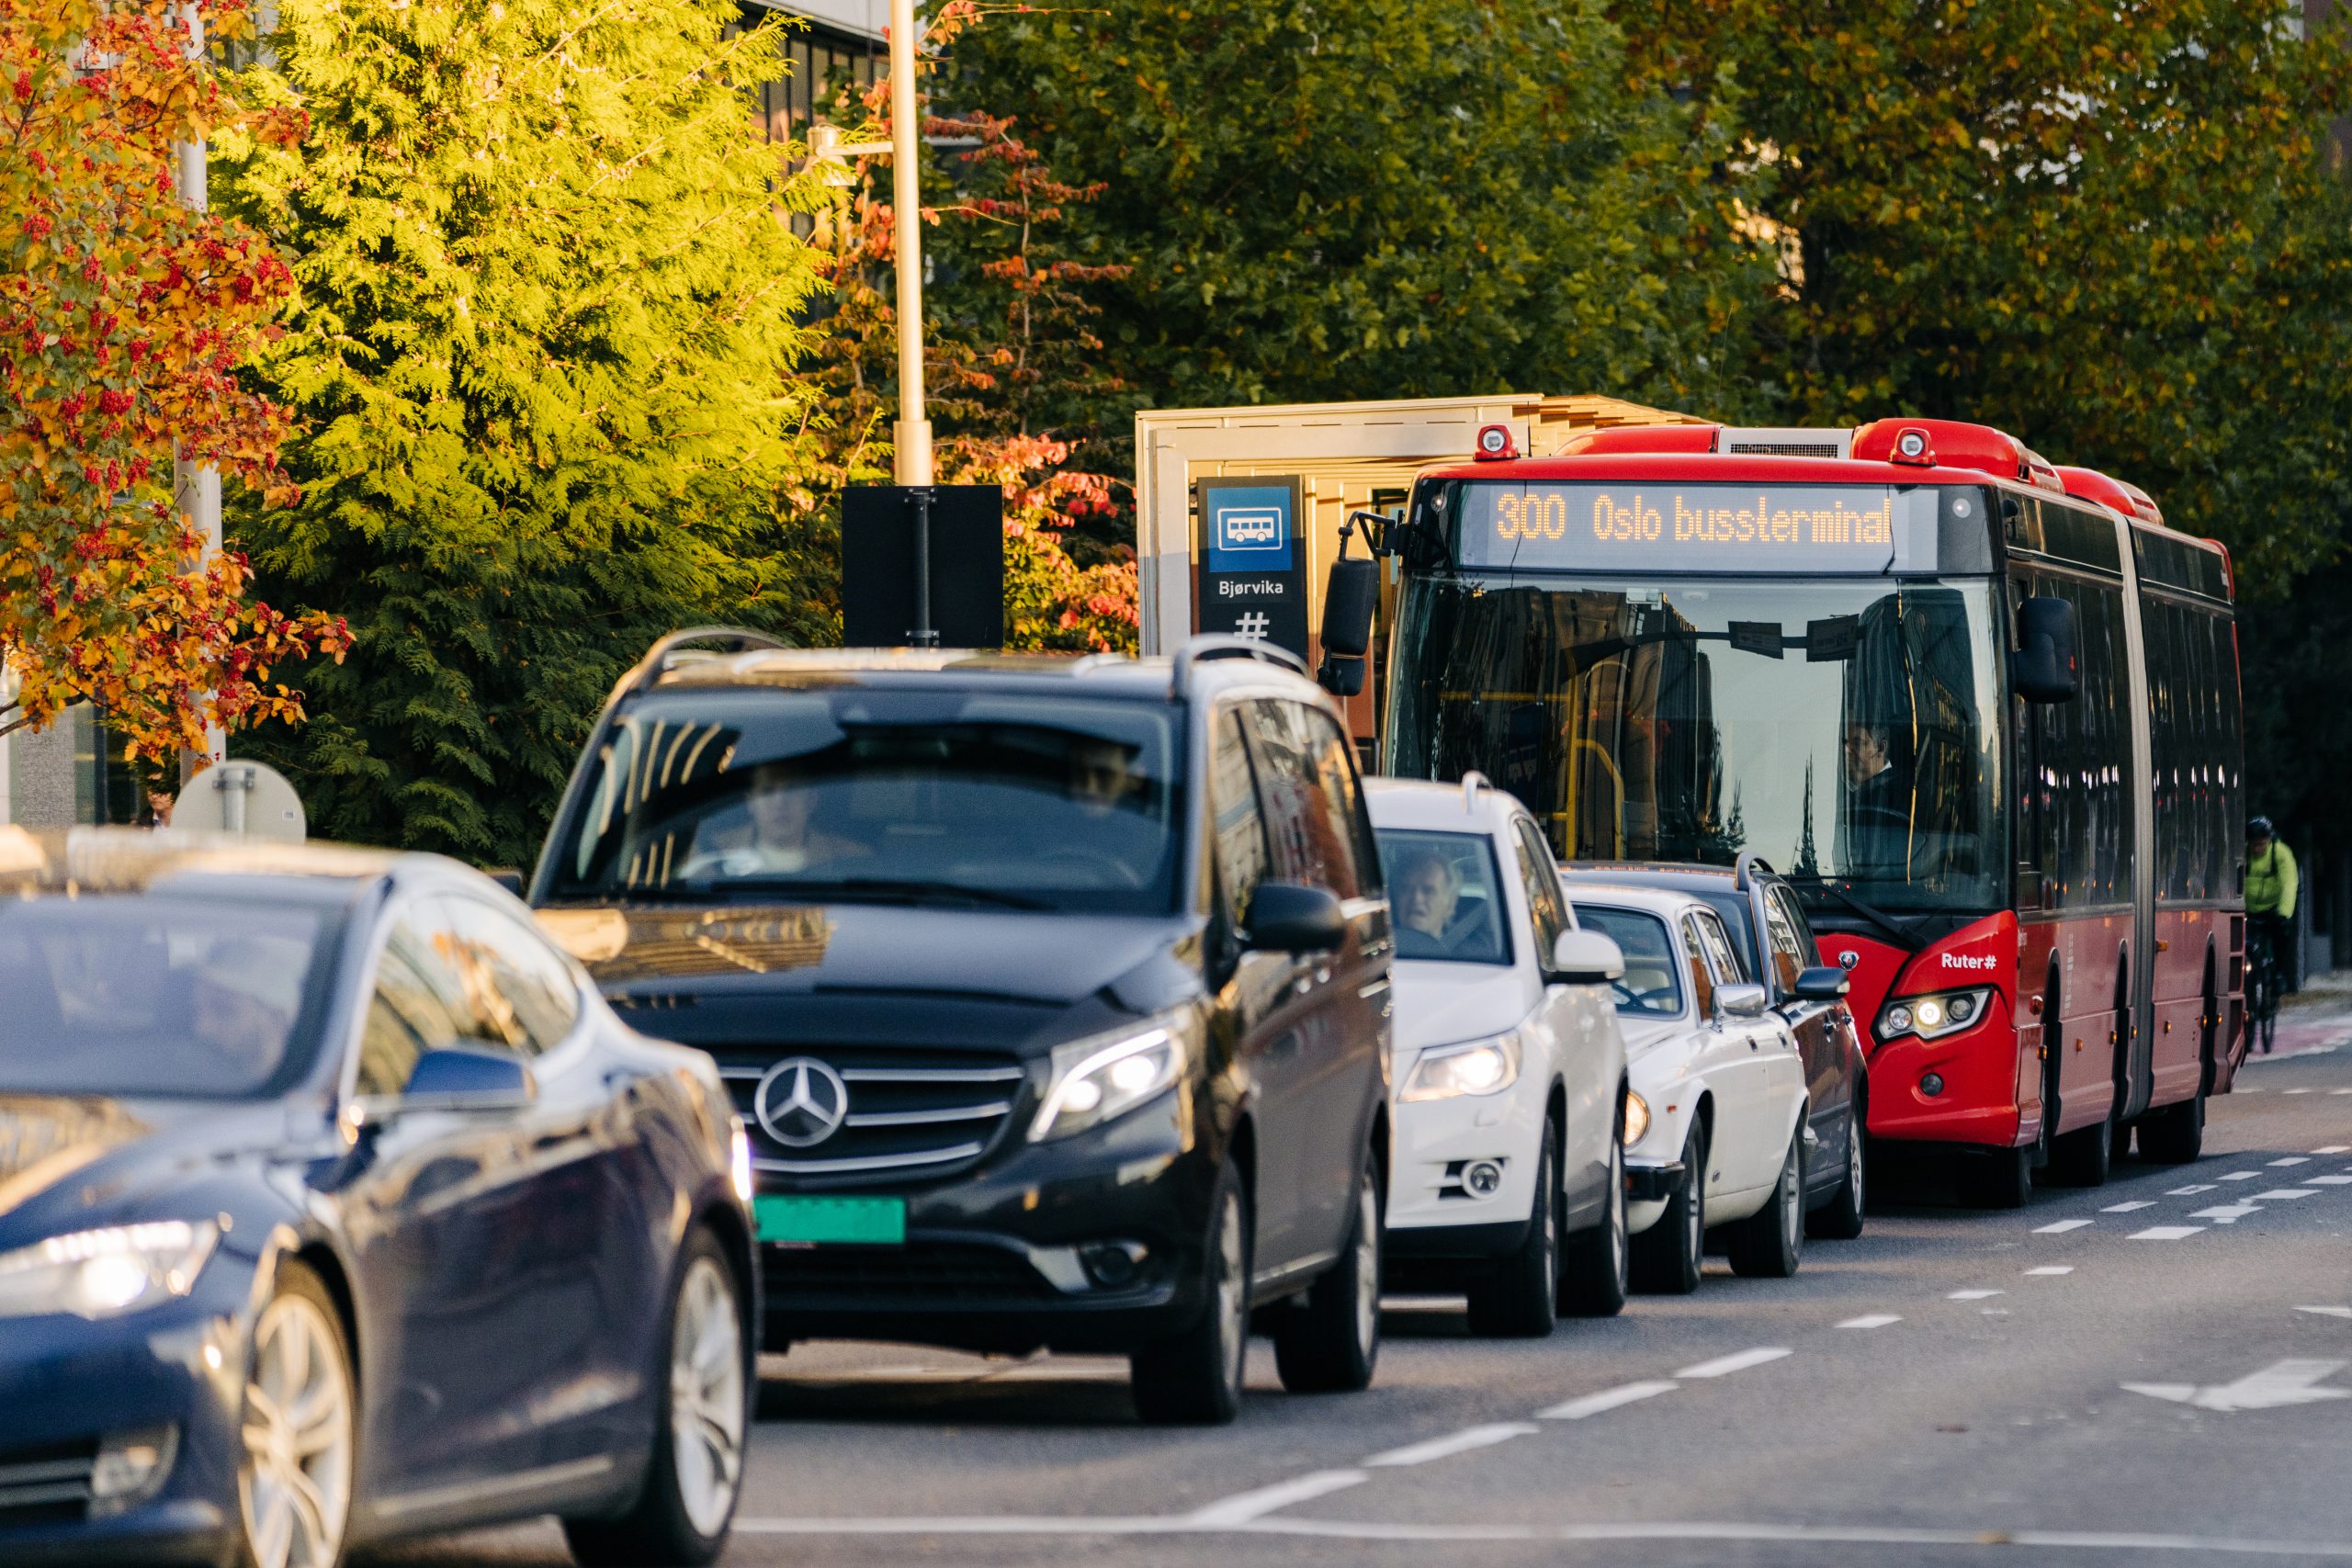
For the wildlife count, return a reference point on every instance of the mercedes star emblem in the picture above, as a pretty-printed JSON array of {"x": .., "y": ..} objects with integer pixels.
[{"x": 801, "y": 1102}]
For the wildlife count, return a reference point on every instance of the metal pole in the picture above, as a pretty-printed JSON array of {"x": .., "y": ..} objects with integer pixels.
[
  {"x": 195, "y": 487},
  {"x": 912, "y": 436},
  {"x": 924, "y": 634}
]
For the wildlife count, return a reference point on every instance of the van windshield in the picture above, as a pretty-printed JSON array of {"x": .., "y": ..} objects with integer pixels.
[{"x": 1014, "y": 800}]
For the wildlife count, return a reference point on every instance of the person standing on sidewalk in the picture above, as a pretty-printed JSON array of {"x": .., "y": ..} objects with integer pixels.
[{"x": 2272, "y": 884}]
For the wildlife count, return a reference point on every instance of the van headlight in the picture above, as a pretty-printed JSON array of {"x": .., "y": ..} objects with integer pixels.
[
  {"x": 1107, "y": 1075},
  {"x": 104, "y": 1273},
  {"x": 1475, "y": 1066}
]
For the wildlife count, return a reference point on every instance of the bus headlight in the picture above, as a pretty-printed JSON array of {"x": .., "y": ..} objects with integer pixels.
[{"x": 1931, "y": 1017}]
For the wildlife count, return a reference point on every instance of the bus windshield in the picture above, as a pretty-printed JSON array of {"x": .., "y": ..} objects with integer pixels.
[{"x": 1843, "y": 729}]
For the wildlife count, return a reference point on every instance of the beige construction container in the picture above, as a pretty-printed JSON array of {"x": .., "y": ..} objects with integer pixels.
[{"x": 1344, "y": 457}]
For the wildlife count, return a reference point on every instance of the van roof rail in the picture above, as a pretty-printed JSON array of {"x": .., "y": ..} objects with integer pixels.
[
  {"x": 1472, "y": 782},
  {"x": 657, "y": 661},
  {"x": 1220, "y": 645},
  {"x": 1747, "y": 863}
]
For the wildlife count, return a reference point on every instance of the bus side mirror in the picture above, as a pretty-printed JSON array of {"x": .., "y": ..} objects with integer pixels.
[
  {"x": 1350, "y": 597},
  {"x": 2045, "y": 667}
]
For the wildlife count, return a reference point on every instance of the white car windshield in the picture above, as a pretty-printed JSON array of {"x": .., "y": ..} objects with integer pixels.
[
  {"x": 1653, "y": 986},
  {"x": 1447, "y": 901}
]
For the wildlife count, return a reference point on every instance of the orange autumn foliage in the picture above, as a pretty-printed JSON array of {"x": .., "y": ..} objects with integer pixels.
[{"x": 123, "y": 318}]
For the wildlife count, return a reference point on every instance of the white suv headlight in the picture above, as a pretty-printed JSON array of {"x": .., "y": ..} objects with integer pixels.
[
  {"x": 1475, "y": 1066},
  {"x": 1107, "y": 1075},
  {"x": 104, "y": 1273}
]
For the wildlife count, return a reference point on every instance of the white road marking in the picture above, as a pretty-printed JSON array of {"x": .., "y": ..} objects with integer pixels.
[
  {"x": 2055, "y": 1227},
  {"x": 1993, "y": 1311},
  {"x": 1607, "y": 1399},
  {"x": 1248, "y": 1506},
  {"x": 2329, "y": 1181},
  {"x": 2193, "y": 1187},
  {"x": 2340, "y": 1091},
  {"x": 2051, "y": 1268},
  {"x": 2228, "y": 1213},
  {"x": 2137, "y": 1543},
  {"x": 2127, "y": 1208},
  {"x": 2281, "y": 1382},
  {"x": 2328, "y": 1312},
  {"x": 1871, "y": 1320},
  {"x": 1738, "y": 1362},
  {"x": 2242, "y": 1176},
  {"x": 2283, "y": 1193},
  {"x": 2336, "y": 1148},
  {"x": 2292, "y": 1159},
  {"x": 1972, "y": 1296},
  {"x": 1460, "y": 1442},
  {"x": 1424, "y": 1304},
  {"x": 2164, "y": 1232},
  {"x": 2294, "y": 1091}
]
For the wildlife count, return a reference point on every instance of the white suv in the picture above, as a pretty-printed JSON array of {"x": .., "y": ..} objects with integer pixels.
[{"x": 1508, "y": 1181}]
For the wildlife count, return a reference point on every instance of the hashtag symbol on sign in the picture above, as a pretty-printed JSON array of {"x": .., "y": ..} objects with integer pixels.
[{"x": 1253, "y": 626}]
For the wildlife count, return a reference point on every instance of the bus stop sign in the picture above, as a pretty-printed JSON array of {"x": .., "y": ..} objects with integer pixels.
[{"x": 1252, "y": 563}]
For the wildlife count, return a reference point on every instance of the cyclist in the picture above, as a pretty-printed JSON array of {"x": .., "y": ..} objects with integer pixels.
[{"x": 2272, "y": 884}]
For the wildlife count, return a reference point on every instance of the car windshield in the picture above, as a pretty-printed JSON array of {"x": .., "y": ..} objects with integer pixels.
[
  {"x": 846, "y": 792},
  {"x": 137, "y": 994},
  {"x": 1445, "y": 896},
  {"x": 1845, "y": 730},
  {"x": 1653, "y": 983}
]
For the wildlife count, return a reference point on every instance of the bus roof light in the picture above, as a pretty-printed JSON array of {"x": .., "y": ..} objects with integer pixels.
[
  {"x": 1914, "y": 447},
  {"x": 1494, "y": 444}
]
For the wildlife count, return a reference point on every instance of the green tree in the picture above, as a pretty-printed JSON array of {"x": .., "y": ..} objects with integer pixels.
[
  {"x": 1382, "y": 198},
  {"x": 550, "y": 310},
  {"x": 2106, "y": 228}
]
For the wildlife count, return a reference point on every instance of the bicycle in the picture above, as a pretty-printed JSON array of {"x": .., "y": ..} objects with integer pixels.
[{"x": 2263, "y": 983}]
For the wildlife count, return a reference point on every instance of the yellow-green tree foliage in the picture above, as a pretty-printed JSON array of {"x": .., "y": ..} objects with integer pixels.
[{"x": 551, "y": 307}]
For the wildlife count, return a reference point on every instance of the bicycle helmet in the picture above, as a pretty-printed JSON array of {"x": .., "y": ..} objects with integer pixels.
[{"x": 2259, "y": 828}]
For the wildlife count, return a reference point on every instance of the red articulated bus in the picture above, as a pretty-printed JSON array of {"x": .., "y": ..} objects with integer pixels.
[{"x": 1983, "y": 712}]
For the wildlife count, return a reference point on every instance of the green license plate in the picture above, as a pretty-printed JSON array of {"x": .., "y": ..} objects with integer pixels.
[{"x": 878, "y": 1222}]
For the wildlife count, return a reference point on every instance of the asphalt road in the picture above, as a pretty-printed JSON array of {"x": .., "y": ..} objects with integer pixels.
[{"x": 2158, "y": 1368}]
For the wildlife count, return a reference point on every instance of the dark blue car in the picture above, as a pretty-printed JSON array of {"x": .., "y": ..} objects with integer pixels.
[{"x": 337, "y": 1205}]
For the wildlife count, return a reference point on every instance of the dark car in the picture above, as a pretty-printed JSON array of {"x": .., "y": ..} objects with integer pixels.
[
  {"x": 337, "y": 1205},
  {"x": 1055, "y": 991},
  {"x": 1776, "y": 944}
]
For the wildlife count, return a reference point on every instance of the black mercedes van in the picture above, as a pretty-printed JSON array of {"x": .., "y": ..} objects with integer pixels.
[{"x": 1053, "y": 991}]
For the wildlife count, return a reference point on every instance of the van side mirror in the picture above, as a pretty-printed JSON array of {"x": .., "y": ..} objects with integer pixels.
[
  {"x": 2046, "y": 667},
  {"x": 1286, "y": 917},
  {"x": 454, "y": 1077},
  {"x": 1587, "y": 958},
  {"x": 1351, "y": 595},
  {"x": 1822, "y": 983}
]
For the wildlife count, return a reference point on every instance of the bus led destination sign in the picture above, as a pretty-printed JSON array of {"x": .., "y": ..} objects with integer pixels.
[{"x": 1839, "y": 528}]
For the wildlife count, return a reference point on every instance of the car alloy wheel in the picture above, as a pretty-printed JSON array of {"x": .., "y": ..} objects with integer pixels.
[
  {"x": 1368, "y": 1270},
  {"x": 1769, "y": 1242},
  {"x": 294, "y": 1481},
  {"x": 1232, "y": 1293},
  {"x": 706, "y": 1404}
]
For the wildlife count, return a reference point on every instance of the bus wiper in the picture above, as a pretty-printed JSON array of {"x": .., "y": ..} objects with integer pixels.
[{"x": 1903, "y": 934}]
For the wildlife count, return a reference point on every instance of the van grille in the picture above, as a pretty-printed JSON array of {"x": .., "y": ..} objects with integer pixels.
[{"x": 910, "y": 1112}]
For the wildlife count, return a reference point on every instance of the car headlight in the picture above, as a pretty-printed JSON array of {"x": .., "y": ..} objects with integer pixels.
[
  {"x": 1475, "y": 1066},
  {"x": 1106, "y": 1076},
  {"x": 1946, "y": 1012},
  {"x": 104, "y": 1273},
  {"x": 738, "y": 1160},
  {"x": 1638, "y": 1118}
]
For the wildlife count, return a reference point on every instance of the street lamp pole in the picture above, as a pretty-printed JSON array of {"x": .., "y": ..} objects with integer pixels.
[
  {"x": 195, "y": 487},
  {"x": 911, "y": 439}
]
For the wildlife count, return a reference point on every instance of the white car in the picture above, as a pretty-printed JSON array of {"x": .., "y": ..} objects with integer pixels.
[
  {"x": 1508, "y": 1177},
  {"x": 1716, "y": 1133}
]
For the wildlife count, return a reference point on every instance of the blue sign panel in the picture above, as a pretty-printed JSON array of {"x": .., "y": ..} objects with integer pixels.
[{"x": 1249, "y": 527}]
